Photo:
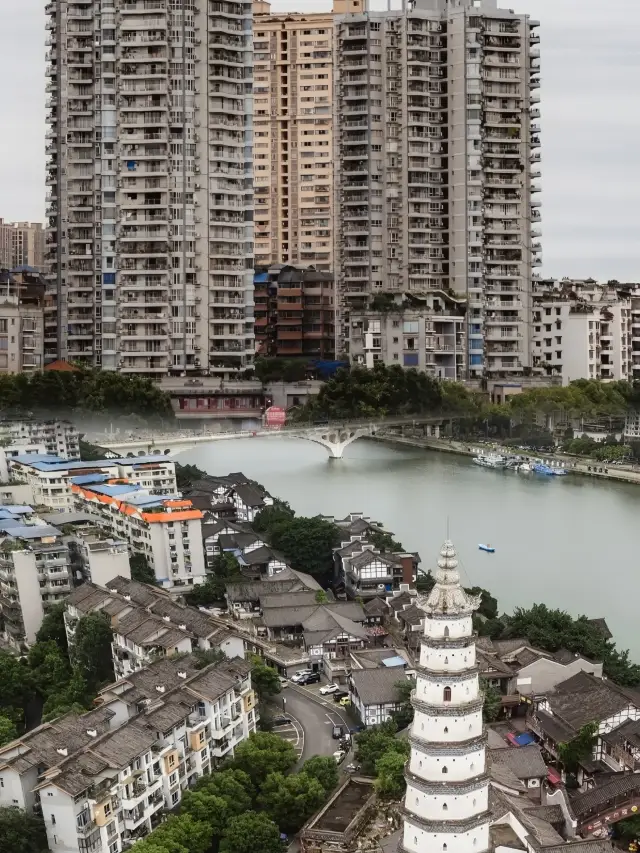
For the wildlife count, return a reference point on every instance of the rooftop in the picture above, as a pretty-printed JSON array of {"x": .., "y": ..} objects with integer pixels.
[
  {"x": 377, "y": 686},
  {"x": 525, "y": 762}
]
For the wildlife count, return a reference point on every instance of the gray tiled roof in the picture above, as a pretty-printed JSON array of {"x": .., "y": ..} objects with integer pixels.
[
  {"x": 524, "y": 761},
  {"x": 622, "y": 783},
  {"x": 377, "y": 686},
  {"x": 583, "y": 699}
]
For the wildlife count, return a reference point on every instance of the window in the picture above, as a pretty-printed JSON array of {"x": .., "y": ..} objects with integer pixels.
[
  {"x": 445, "y": 770},
  {"x": 447, "y": 694}
]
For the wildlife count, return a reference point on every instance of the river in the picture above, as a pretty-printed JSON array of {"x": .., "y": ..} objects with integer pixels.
[{"x": 569, "y": 542}]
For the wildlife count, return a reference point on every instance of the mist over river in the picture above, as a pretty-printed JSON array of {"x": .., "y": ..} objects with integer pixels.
[{"x": 570, "y": 542}]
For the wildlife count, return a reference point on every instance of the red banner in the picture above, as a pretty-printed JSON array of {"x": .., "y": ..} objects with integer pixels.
[{"x": 275, "y": 417}]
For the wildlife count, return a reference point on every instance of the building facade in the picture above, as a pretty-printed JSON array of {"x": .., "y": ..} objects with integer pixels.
[
  {"x": 437, "y": 165},
  {"x": 22, "y": 295},
  {"x": 150, "y": 201},
  {"x": 295, "y": 312},
  {"x": 582, "y": 330},
  {"x": 430, "y": 337},
  {"x": 293, "y": 139},
  {"x": 21, "y": 245},
  {"x": 447, "y": 799}
]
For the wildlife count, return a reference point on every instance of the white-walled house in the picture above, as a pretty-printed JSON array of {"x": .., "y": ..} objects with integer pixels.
[{"x": 374, "y": 692}]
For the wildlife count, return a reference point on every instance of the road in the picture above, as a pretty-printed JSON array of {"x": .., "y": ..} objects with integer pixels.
[{"x": 317, "y": 720}]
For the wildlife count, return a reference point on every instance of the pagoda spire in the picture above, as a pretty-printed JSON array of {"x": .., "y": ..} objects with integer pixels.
[{"x": 448, "y": 595}]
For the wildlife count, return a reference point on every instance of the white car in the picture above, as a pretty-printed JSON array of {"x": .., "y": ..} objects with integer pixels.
[
  {"x": 338, "y": 756},
  {"x": 302, "y": 673},
  {"x": 329, "y": 688}
]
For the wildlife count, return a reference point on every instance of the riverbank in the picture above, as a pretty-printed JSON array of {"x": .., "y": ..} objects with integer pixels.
[{"x": 572, "y": 464}]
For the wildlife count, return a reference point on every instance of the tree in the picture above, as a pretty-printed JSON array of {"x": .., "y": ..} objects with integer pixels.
[
  {"x": 390, "y": 784},
  {"x": 272, "y": 515},
  {"x": 225, "y": 568},
  {"x": 21, "y": 832},
  {"x": 234, "y": 787},
  {"x": 206, "y": 657},
  {"x": 50, "y": 668},
  {"x": 264, "y": 678},
  {"x": 307, "y": 544},
  {"x": 627, "y": 829},
  {"x": 321, "y": 597},
  {"x": 16, "y": 686},
  {"x": 249, "y": 833},
  {"x": 290, "y": 800},
  {"x": 181, "y": 832},
  {"x": 52, "y": 627},
  {"x": 492, "y": 704},
  {"x": 264, "y": 753},
  {"x": 8, "y": 730},
  {"x": 208, "y": 808},
  {"x": 580, "y": 748},
  {"x": 141, "y": 571},
  {"x": 91, "y": 652},
  {"x": 404, "y": 715},
  {"x": 187, "y": 475},
  {"x": 425, "y": 582},
  {"x": 384, "y": 542},
  {"x": 375, "y": 742},
  {"x": 325, "y": 770}
]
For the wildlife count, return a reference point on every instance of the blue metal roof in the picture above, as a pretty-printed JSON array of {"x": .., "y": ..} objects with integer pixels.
[
  {"x": 30, "y": 531},
  {"x": 394, "y": 661},
  {"x": 55, "y": 463},
  {"x": 85, "y": 479},
  {"x": 113, "y": 490},
  {"x": 16, "y": 509}
]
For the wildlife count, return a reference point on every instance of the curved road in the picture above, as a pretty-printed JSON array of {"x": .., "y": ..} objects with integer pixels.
[{"x": 317, "y": 717}]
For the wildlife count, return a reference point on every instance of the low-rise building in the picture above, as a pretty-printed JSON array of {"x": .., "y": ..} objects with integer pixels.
[
  {"x": 96, "y": 557},
  {"x": 525, "y": 762},
  {"x": 102, "y": 780},
  {"x": 167, "y": 530},
  {"x": 374, "y": 692},
  {"x": 50, "y": 477},
  {"x": 148, "y": 624},
  {"x": 429, "y": 335}
]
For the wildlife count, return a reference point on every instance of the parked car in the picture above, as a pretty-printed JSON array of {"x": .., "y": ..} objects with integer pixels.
[
  {"x": 329, "y": 688},
  {"x": 336, "y": 733},
  {"x": 281, "y": 720},
  {"x": 312, "y": 678},
  {"x": 338, "y": 756},
  {"x": 284, "y": 682},
  {"x": 301, "y": 673},
  {"x": 339, "y": 694},
  {"x": 345, "y": 701}
]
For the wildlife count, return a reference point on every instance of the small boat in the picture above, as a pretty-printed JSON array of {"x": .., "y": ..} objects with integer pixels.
[
  {"x": 490, "y": 460},
  {"x": 524, "y": 468},
  {"x": 488, "y": 548},
  {"x": 547, "y": 470}
]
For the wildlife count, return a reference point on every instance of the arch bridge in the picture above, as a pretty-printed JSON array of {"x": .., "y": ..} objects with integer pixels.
[{"x": 334, "y": 436}]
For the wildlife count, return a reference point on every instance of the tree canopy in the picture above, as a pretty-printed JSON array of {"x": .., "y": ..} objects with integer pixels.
[
  {"x": 324, "y": 769},
  {"x": 263, "y": 753},
  {"x": 251, "y": 832},
  {"x": 264, "y": 678},
  {"x": 374, "y": 742},
  {"x": 21, "y": 832},
  {"x": 83, "y": 391},
  {"x": 290, "y": 800},
  {"x": 141, "y": 571},
  {"x": 91, "y": 652}
]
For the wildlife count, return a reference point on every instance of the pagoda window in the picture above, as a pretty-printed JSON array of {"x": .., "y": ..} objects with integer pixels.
[
  {"x": 445, "y": 770},
  {"x": 446, "y": 630},
  {"x": 447, "y": 694}
]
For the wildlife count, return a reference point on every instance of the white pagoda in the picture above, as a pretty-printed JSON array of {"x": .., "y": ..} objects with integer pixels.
[{"x": 447, "y": 801}]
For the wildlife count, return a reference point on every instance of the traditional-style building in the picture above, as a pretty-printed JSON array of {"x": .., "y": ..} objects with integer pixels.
[{"x": 447, "y": 799}]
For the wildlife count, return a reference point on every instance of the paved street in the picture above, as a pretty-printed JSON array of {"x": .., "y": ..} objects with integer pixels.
[
  {"x": 317, "y": 720},
  {"x": 294, "y": 733}
]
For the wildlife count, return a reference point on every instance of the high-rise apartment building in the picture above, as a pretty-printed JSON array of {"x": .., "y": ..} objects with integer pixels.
[
  {"x": 293, "y": 145},
  {"x": 436, "y": 166},
  {"x": 150, "y": 202},
  {"x": 21, "y": 245}
]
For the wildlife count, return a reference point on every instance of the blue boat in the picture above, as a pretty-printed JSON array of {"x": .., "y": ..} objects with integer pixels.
[
  {"x": 547, "y": 470},
  {"x": 488, "y": 548}
]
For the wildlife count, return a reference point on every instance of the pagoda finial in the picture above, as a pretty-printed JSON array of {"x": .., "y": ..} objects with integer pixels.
[{"x": 447, "y": 595}]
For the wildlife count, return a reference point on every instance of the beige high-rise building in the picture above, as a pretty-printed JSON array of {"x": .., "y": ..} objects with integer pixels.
[
  {"x": 293, "y": 136},
  {"x": 436, "y": 161},
  {"x": 21, "y": 244}
]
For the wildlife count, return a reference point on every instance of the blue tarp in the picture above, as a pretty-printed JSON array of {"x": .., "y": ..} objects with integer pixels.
[{"x": 524, "y": 739}]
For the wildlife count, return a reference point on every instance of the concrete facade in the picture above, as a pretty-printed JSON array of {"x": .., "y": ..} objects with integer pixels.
[
  {"x": 150, "y": 199},
  {"x": 436, "y": 164},
  {"x": 21, "y": 244}
]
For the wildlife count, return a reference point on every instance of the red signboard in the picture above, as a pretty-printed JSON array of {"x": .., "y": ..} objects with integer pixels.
[{"x": 275, "y": 417}]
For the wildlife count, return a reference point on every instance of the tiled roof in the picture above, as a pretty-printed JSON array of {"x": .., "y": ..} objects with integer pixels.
[
  {"x": 377, "y": 686},
  {"x": 524, "y": 761},
  {"x": 555, "y": 728},
  {"x": 375, "y": 607},
  {"x": 622, "y": 783},
  {"x": 583, "y": 699}
]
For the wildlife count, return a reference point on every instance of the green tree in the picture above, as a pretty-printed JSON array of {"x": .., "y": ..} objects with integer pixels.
[
  {"x": 187, "y": 475},
  {"x": 307, "y": 544},
  {"x": 404, "y": 715},
  {"x": 208, "y": 808},
  {"x": 204, "y": 658},
  {"x": 270, "y": 516},
  {"x": 225, "y": 568},
  {"x": 324, "y": 769},
  {"x": 8, "y": 730},
  {"x": 321, "y": 597},
  {"x": 52, "y": 627},
  {"x": 492, "y": 704},
  {"x": 580, "y": 748},
  {"x": 628, "y": 829},
  {"x": 290, "y": 800},
  {"x": 21, "y": 832},
  {"x": 384, "y": 542},
  {"x": 264, "y": 753},
  {"x": 50, "y": 668},
  {"x": 375, "y": 742},
  {"x": 91, "y": 652},
  {"x": 249, "y": 833},
  {"x": 73, "y": 695},
  {"x": 425, "y": 582},
  {"x": 180, "y": 832},
  {"x": 390, "y": 784},
  {"x": 16, "y": 686},
  {"x": 234, "y": 787},
  {"x": 264, "y": 678},
  {"x": 141, "y": 571}
]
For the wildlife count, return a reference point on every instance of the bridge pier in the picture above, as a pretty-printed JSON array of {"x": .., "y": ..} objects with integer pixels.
[{"x": 336, "y": 440}]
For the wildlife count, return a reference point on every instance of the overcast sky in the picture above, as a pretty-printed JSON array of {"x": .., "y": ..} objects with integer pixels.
[{"x": 590, "y": 126}]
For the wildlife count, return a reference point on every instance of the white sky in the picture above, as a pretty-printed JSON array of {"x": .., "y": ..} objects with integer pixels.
[{"x": 590, "y": 126}]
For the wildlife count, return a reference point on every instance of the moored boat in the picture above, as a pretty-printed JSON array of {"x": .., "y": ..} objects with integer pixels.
[
  {"x": 488, "y": 548},
  {"x": 547, "y": 470},
  {"x": 490, "y": 460}
]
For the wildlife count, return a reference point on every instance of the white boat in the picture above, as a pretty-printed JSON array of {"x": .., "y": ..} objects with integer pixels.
[
  {"x": 490, "y": 460},
  {"x": 525, "y": 468}
]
